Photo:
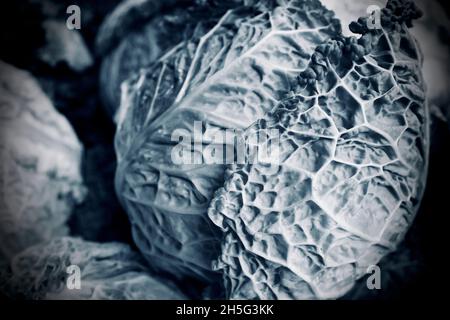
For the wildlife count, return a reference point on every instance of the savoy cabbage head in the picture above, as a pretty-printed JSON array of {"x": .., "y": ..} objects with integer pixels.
[
  {"x": 40, "y": 157},
  {"x": 226, "y": 76}
]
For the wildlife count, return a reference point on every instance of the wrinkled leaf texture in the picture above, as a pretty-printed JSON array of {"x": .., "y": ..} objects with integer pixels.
[{"x": 227, "y": 78}]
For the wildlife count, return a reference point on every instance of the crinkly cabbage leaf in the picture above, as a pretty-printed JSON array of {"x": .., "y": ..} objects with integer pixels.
[
  {"x": 227, "y": 78},
  {"x": 107, "y": 271},
  {"x": 125, "y": 17},
  {"x": 432, "y": 31},
  {"x": 143, "y": 46},
  {"x": 347, "y": 170},
  {"x": 40, "y": 155}
]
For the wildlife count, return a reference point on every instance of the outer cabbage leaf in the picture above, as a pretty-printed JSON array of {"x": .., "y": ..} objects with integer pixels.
[
  {"x": 40, "y": 155},
  {"x": 227, "y": 78},
  {"x": 143, "y": 46},
  {"x": 125, "y": 17},
  {"x": 352, "y": 153},
  {"x": 107, "y": 271}
]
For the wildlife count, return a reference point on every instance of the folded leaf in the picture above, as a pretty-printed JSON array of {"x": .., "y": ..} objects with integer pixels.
[{"x": 349, "y": 173}]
